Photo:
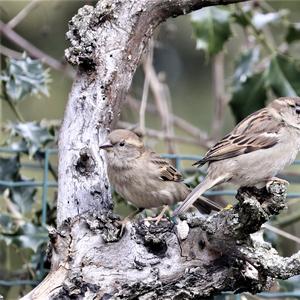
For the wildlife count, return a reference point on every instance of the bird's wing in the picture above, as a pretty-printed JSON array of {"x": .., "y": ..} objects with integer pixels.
[
  {"x": 162, "y": 168},
  {"x": 258, "y": 131}
]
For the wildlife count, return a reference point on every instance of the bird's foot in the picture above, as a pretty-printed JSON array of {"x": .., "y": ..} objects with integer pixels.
[
  {"x": 158, "y": 218},
  {"x": 275, "y": 179}
]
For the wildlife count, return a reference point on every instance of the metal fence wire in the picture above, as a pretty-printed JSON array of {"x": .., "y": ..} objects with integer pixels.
[{"x": 47, "y": 184}]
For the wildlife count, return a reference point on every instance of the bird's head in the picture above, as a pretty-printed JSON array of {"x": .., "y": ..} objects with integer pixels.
[
  {"x": 288, "y": 109},
  {"x": 123, "y": 145}
]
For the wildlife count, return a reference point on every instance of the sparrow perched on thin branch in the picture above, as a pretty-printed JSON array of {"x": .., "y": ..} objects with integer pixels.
[
  {"x": 255, "y": 151},
  {"x": 142, "y": 177}
]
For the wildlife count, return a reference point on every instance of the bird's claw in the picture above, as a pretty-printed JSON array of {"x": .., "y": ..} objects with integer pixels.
[
  {"x": 158, "y": 218},
  {"x": 155, "y": 219}
]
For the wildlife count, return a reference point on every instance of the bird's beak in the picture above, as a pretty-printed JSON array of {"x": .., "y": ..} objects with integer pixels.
[{"x": 106, "y": 145}]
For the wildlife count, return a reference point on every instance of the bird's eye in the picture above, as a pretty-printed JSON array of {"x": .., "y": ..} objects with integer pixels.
[
  {"x": 298, "y": 110},
  {"x": 122, "y": 144}
]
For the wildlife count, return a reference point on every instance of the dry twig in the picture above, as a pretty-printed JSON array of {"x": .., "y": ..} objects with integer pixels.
[
  {"x": 220, "y": 98},
  {"x": 10, "y": 53},
  {"x": 160, "y": 93},
  {"x": 19, "y": 17},
  {"x": 148, "y": 60},
  {"x": 282, "y": 233},
  {"x": 34, "y": 51},
  {"x": 160, "y": 135},
  {"x": 184, "y": 125}
]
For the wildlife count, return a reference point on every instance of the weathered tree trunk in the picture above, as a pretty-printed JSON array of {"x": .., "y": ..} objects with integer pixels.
[{"x": 198, "y": 258}]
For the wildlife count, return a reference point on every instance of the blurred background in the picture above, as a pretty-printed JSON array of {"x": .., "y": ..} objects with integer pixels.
[{"x": 202, "y": 74}]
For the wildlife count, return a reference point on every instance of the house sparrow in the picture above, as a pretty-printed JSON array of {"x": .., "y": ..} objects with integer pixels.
[
  {"x": 255, "y": 151},
  {"x": 142, "y": 177}
]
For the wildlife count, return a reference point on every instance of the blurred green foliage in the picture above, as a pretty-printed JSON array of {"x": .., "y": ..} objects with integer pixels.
[
  {"x": 211, "y": 28},
  {"x": 263, "y": 68},
  {"x": 20, "y": 218}
]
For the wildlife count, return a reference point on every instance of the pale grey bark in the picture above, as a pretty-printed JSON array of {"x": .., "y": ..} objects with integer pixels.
[{"x": 200, "y": 257}]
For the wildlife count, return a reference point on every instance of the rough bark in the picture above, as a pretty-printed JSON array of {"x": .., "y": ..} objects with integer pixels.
[{"x": 199, "y": 257}]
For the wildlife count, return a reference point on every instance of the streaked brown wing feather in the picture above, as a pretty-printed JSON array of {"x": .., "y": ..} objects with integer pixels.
[
  {"x": 165, "y": 170},
  {"x": 258, "y": 131}
]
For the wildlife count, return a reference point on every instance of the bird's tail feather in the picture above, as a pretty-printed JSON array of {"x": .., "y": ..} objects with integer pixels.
[
  {"x": 196, "y": 193},
  {"x": 205, "y": 205}
]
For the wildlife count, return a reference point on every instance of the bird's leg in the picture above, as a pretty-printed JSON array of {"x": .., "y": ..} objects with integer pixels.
[
  {"x": 275, "y": 179},
  {"x": 159, "y": 217},
  {"x": 128, "y": 219}
]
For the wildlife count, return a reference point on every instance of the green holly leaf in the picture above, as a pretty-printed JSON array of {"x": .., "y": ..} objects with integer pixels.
[
  {"x": 260, "y": 20},
  {"x": 242, "y": 18},
  {"x": 248, "y": 96},
  {"x": 248, "y": 88},
  {"x": 9, "y": 170},
  {"x": 293, "y": 33},
  {"x": 34, "y": 136},
  {"x": 27, "y": 235},
  {"x": 245, "y": 65},
  {"x": 211, "y": 29},
  {"x": 31, "y": 236},
  {"x": 22, "y": 196},
  {"x": 283, "y": 76},
  {"x": 23, "y": 77},
  {"x": 7, "y": 224}
]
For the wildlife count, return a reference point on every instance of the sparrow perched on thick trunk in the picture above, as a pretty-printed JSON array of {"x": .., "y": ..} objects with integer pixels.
[
  {"x": 142, "y": 177},
  {"x": 255, "y": 151}
]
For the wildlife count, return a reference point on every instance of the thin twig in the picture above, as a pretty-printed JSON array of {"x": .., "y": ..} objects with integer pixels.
[
  {"x": 160, "y": 135},
  {"x": 168, "y": 113},
  {"x": 257, "y": 33},
  {"x": 144, "y": 104},
  {"x": 34, "y": 51},
  {"x": 13, "y": 209},
  {"x": 250, "y": 296},
  {"x": 22, "y": 14},
  {"x": 184, "y": 125},
  {"x": 10, "y": 53},
  {"x": 220, "y": 99},
  {"x": 288, "y": 219},
  {"x": 16, "y": 111},
  {"x": 145, "y": 95},
  {"x": 282, "y": 233},
  {"x": 160, "y": 97},
  {"x": 203, "y": 138}
]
